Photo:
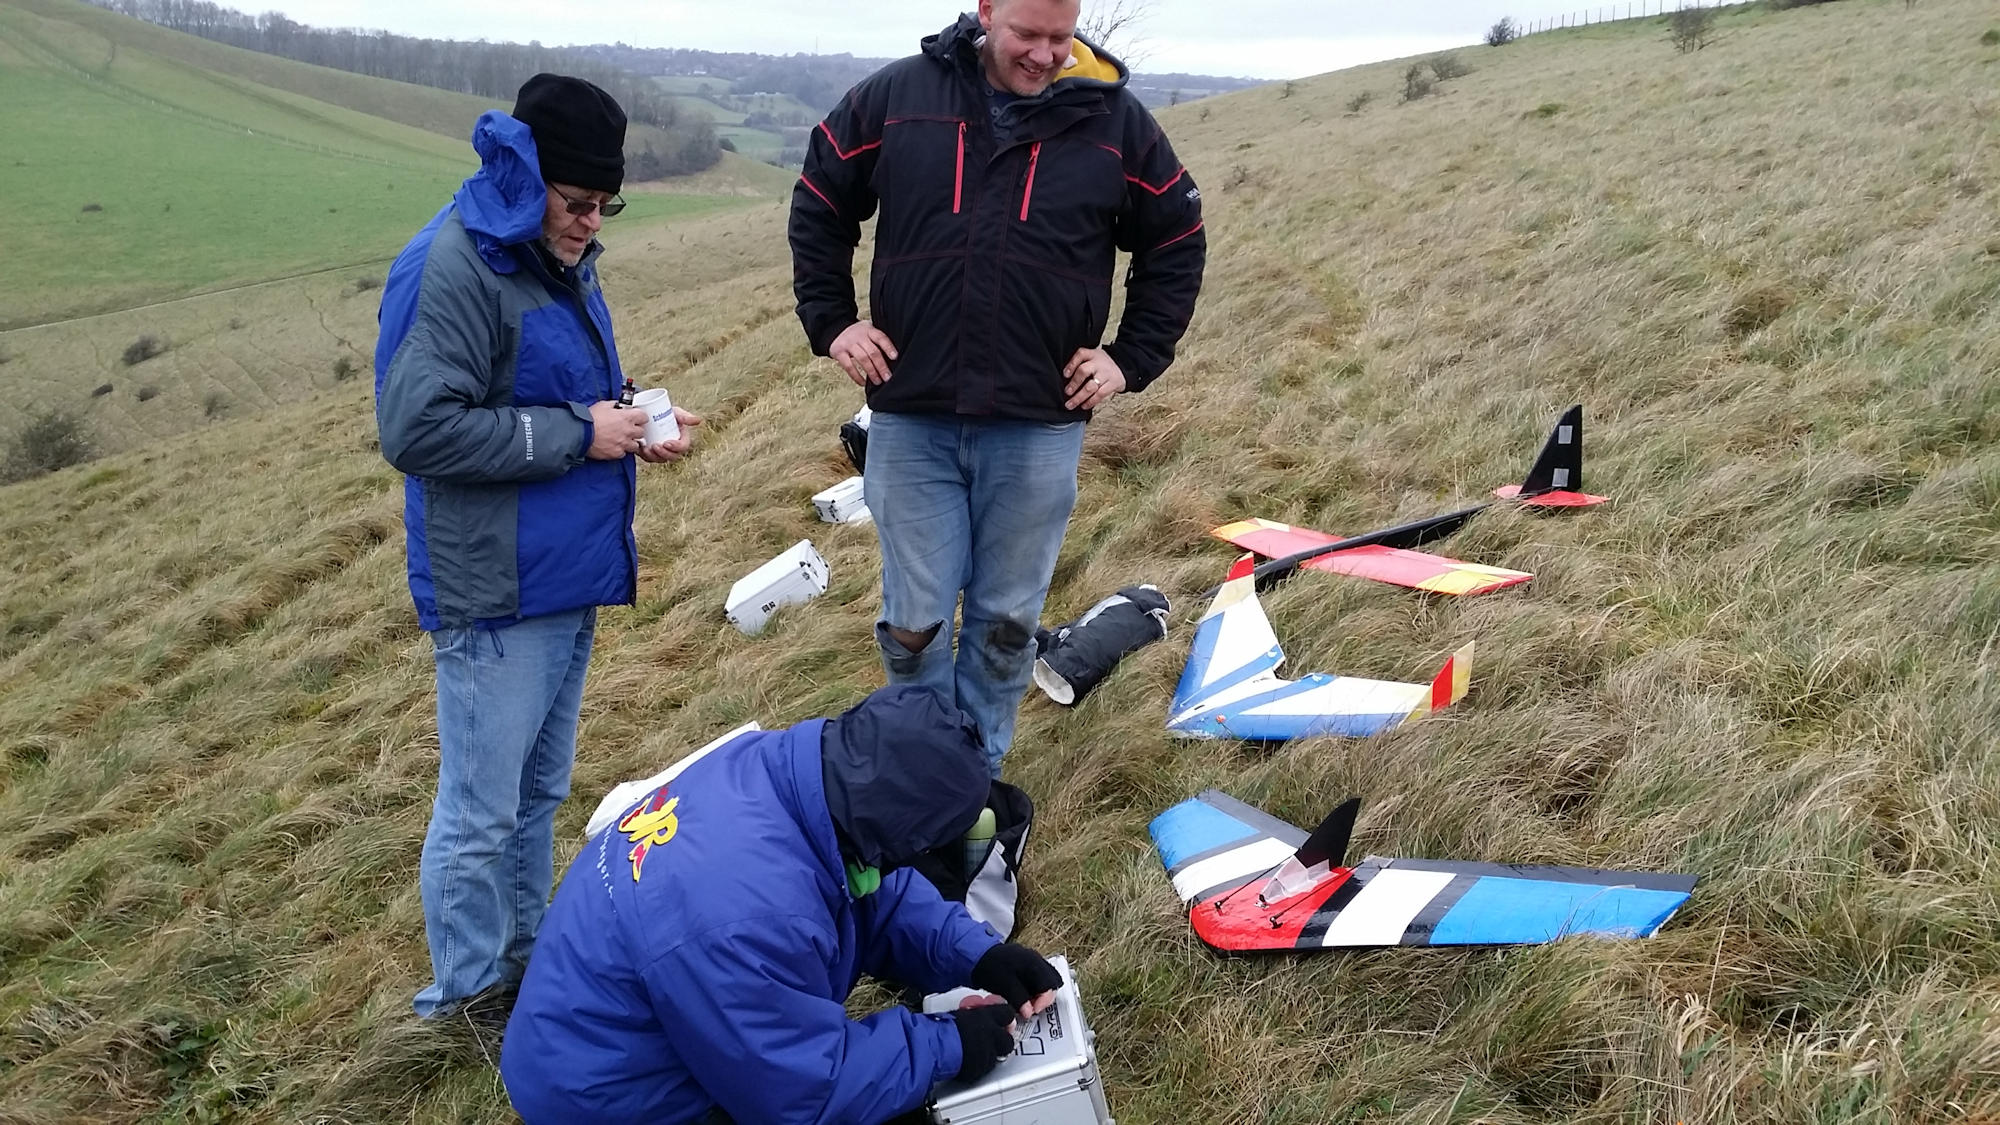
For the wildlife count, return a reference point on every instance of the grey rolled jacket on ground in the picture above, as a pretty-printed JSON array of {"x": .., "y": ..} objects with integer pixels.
[{"x": 485, "y": 372}]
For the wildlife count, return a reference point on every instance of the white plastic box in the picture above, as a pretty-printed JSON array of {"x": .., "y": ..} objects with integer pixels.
[
  {"x": 1050, "y": 1079},
  {"x": 843, "y": 503},
  {"x": 797, "y": 575}
]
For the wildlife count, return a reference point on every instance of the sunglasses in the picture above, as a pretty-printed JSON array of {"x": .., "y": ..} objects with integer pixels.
[{"x": 586, "y": 206}]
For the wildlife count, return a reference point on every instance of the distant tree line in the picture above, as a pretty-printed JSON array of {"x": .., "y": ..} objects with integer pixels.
[
  {"x": 487, "y": 70},
  {"x": 820, "y": 81},
  {"x": 817, "y": 80}
]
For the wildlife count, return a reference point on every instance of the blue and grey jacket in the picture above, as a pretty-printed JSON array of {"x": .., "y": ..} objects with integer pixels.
[{"x": 485, "y": 372}]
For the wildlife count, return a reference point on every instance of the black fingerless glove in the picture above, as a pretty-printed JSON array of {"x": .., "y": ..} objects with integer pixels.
[
  {"x": 1015, "y": 972},
  {"x": 985, "y": 1036}
]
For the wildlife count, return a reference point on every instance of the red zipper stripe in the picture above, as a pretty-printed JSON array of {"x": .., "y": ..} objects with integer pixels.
[
  {"x": 1027, "y": 193},
  {"x": 958, "y": 184}
]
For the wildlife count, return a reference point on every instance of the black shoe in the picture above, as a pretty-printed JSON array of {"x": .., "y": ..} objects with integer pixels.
[{"x": 483, "y": 1017}]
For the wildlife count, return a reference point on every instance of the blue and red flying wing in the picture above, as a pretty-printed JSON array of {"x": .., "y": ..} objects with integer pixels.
[
  {"x": 1253, "y": 883},
  {"x": 1230, "y": 687},
  {"x": 1388, "y": 555}
]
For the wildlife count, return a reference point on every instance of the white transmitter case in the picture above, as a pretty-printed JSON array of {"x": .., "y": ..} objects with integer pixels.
[
  {"x": 1050, "y": 1079},
  {"x": 796, "y": 576}
]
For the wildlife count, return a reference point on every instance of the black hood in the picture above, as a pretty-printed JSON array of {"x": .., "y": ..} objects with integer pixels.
[
  {"x": 905, "y": 773},
  {"x": 962, "y": 36}
]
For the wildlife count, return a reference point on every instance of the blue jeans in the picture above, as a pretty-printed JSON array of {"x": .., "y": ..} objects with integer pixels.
[
  {"x": 976, "y": 507},
  {"x": 507, "y": 703}
]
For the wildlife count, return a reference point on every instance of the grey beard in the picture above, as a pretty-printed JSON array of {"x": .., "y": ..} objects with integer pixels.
[{"x": 549, "y": 244}]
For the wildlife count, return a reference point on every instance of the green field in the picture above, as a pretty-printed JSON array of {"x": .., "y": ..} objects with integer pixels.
[
  {"x": 133, "y": 176},
  {"x": 1771, "y": 271},
  {"x": 136, "y": 179},
  {"x": 433, "y": 110},
  {"x": 701, "y": 105},
  {"x": 692, "y": 84},
  {"x": 757, "y": 144}
]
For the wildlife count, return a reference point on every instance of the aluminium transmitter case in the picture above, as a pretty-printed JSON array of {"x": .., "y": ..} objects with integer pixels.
[
  {"x": 1050, "y": 1079},
  {"x": 796, "y": 576},
  {"x": 843, "y": 503}
]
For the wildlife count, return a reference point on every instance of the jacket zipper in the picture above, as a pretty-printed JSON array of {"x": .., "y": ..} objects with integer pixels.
[
  {"x": 1027, "y": 193},
  {"x": 958, "y": 183}
]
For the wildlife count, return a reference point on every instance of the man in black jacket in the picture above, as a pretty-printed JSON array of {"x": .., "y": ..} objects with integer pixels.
[{"x": 1010, "y": 164}]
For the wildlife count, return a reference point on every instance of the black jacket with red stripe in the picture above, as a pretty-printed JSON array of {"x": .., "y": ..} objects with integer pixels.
[{"x": 993, "y": 263}]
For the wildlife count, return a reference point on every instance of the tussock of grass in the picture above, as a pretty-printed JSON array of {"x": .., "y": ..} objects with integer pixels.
[{"x": 1770, "y": 661}]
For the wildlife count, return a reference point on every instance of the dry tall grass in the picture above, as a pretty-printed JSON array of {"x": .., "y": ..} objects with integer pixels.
[
  {"x": 1770, "y": 269},
  {"x": 284, "y": 342}
]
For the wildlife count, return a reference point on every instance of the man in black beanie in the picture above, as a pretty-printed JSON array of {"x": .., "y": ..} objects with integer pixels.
[
  {"x": 698, "y": 955},
  {"x": 580, "y": 137},
  {"x": 497, "y": 385}
]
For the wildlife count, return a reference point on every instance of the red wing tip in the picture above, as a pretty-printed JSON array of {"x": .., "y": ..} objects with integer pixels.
[
  {"x": 1243, "y": 568},
  {"x": 1558, "y": 498},
  {"x": 1562, "y": 499}
]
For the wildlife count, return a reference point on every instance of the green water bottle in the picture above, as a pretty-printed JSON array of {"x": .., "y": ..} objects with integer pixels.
[{"x": 978, "y": 842}]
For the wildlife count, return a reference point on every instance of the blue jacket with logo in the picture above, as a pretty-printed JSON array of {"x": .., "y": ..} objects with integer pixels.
[
  {"x": 485, "y": 371},
  {"x": 700, "y": 950}
]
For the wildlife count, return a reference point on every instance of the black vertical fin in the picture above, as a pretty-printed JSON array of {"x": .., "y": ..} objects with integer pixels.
[
  {"x": 1328, "y": 842},
  {"x": 1560, "y": 464}
]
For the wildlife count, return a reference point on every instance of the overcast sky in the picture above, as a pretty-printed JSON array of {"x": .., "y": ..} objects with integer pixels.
[{"x": 1253, "y": 38}]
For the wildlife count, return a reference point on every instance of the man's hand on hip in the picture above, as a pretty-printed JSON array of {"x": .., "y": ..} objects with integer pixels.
[
  {"x": 864, "y": 352},
  {"x": 616, "y": 431},
  {"x": 1093, "y": 378}
]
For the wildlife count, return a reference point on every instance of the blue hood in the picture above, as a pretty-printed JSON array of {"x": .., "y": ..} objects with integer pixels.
[{"x": 502, "y": 204}]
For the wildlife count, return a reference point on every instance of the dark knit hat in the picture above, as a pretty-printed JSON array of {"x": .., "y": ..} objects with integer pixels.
[{"x": 579, "y": 131}]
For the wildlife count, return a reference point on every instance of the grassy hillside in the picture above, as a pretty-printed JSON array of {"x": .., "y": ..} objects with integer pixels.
[
  {"x": 236, "y": 353},
  {"x": 714, "y": 112},
  {"x": 1770, "y": 269},
  {"x": 754, "y": 143},
  {"x": 444, "y": 112},
  {"x": 140, "y": 175},
  {"x": 185, "y": 178}
]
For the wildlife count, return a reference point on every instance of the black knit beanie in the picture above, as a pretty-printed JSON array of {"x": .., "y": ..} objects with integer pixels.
[{"x": 579, "y": 131}]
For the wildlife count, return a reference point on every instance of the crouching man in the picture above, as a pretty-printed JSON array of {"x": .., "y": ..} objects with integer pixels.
[{"x": 695, "y": 963}]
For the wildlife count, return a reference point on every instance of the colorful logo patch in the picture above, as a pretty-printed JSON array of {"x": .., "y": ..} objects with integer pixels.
[{"x": 651, "y": 824}]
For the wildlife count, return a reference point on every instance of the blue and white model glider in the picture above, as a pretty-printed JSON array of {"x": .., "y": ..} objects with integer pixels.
[
  {"x": 1231, "y": 689},
  {"x": 1253, "y": 883}
]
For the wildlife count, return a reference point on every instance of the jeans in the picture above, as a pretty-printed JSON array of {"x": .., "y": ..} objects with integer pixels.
[
  {"x": 976, "y": 507},
  {"x": 507, "y": 703}
]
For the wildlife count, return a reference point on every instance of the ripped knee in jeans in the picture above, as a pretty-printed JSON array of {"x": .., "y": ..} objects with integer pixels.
[
  {"x": 913, "y": 640},
  {"x": 910, "y": 642}
]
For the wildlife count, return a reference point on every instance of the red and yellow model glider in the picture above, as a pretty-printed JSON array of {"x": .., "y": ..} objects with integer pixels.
[{"x": 1555, "y": 481}]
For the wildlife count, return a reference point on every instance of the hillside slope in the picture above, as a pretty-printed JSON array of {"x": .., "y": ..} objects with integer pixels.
[
  {"x": 148, "y": 164},
  {"x": 1769, "y": 268},
  {"x": 444, "y": 112},
  {"x": 436, "y": 111},
  {"x": 140, "y": 176}
]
